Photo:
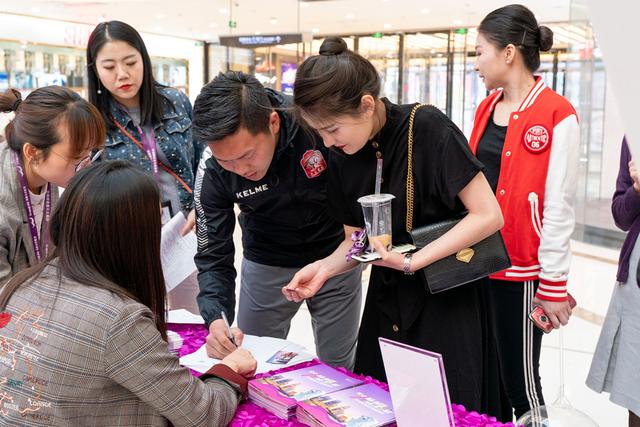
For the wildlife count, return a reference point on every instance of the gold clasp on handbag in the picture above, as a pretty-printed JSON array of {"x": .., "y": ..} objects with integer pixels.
[{"x": 465, "y": 255}]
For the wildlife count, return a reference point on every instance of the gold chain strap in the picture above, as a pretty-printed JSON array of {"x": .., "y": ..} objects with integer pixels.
[{"x": 410, "y": 187}]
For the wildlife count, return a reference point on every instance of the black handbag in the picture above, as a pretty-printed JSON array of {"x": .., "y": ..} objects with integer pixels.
[{"x": 480, "y": 260}]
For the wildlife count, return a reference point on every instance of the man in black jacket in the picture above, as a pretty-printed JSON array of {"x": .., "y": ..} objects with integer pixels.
[{"x": 275, "y": 172}]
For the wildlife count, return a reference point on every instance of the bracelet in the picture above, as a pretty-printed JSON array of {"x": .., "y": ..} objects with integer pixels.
[{"x": 406, "y": 265}]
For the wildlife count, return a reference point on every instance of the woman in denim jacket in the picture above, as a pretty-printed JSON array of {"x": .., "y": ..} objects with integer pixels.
[{"x": 147, "y": 123}]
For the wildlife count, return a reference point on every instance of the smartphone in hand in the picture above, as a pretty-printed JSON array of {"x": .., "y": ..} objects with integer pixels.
[{"x": 540, "y": 318}]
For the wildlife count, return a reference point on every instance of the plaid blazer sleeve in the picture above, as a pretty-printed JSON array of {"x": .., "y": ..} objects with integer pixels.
[
  {"x": 136, "y": 357},
  {"x": 5, "y": 266}
]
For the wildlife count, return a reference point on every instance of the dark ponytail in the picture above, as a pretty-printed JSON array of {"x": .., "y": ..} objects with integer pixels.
[
  {"x": 515, "y": 24},
  {"x": 333, "y": 82}
]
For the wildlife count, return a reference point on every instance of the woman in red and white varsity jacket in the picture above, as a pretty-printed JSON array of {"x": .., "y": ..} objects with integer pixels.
[{"x": 528, "y": 138}]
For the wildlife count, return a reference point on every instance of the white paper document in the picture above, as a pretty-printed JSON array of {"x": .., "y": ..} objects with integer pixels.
[
  {"x": 418, "y": 385},
  {"x": 177, "y": 252},
  {"x": 184, "y": 317},
  {"x": 262, "y": 348}
]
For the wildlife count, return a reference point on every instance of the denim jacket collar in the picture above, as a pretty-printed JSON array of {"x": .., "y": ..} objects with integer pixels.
[{"x": 119, "y": 113}]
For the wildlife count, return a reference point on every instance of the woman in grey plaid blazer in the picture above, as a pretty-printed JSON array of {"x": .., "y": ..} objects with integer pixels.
[
  {"x": 83, "y": 335},
  {"x": 48, "y": 140}
]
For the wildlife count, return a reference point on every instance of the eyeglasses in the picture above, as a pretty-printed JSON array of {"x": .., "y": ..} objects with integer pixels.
[{"x": 86, "y": 161}]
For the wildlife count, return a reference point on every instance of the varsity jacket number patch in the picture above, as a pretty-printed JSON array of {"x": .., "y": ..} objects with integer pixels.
[{"x": 536, "y": 139}]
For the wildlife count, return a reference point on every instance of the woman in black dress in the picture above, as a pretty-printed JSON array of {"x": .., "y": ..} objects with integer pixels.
[{"x": 336, "y": 93}]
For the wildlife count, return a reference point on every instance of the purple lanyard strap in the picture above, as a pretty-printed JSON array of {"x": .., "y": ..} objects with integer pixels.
[{"x": 31, "y": 217}]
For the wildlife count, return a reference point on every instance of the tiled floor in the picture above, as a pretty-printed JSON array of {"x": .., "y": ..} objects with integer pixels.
[{"x": 591, "y": 282}]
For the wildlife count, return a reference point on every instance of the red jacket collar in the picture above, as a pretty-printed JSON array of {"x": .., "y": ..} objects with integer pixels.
[{"x": 528, "y": 101}]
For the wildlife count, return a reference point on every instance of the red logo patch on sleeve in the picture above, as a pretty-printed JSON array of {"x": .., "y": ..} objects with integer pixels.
[
  {"x": 313, "y": 163},
  {"x": 536, "y": 139}
]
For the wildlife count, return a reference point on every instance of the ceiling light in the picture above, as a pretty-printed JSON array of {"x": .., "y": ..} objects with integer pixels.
[
  {"x": 315, "y": 30},
  {"x": 387, "y": 26},
  {"x": 350, "y": 16},
  {"x": 257, "y": 33},
  {"x": 213, "y": 25},
  {"x": 457, "y": 22},
  {"x": 223, "y": 11},
  {"x": 273, "y": 21},
  {"x": 425, "y": 11},
  {"x": 160, "y": 15}
]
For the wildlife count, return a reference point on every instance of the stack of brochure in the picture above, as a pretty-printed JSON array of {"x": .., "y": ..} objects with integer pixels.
[
  {"x": 366, "y": 405},
  {"x": 280, "y": 393}
]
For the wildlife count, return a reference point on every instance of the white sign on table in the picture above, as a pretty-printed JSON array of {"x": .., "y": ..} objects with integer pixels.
[{"x": 418, "y": 385}]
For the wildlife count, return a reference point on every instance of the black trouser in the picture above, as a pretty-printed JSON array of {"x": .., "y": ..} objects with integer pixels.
[{"x": 518, "y": 341}]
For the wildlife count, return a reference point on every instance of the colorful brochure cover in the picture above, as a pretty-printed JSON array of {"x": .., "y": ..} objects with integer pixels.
[
  {"x": 366, "y": 405},
  {"x": 288, "y": 388}
]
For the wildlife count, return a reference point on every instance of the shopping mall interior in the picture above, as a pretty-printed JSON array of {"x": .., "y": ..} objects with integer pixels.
[{"x": 424, "y": 52}]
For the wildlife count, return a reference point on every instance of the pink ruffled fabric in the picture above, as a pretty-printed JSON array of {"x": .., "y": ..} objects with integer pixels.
[{"x": 250, "y": 415}]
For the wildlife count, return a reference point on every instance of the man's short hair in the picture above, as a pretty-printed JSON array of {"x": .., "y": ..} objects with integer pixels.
[{"x": 231, "y": 100}]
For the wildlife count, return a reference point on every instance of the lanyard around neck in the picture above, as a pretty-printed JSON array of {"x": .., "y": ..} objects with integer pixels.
[
  {"x": 148, "y": 145},
  {"x": 31, "y": 217}
]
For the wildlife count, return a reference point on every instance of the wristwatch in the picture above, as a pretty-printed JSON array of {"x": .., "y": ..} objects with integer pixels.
[{"x": 406, "y": 265}]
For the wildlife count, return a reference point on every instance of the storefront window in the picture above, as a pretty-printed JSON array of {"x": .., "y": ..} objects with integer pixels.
[
  {"x": 27, "y": 66},
  {"x": 383, "y": 52},
  {"x": 425, "y": 69},
  {"x": 274, "y": 66},
  {"x": 171, "y": 72}
]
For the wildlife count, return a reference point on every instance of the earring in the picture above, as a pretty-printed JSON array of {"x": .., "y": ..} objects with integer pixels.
[{"x": 99, "y": 91}]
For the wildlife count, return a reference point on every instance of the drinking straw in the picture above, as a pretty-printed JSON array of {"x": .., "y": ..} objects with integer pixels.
[{"x": 376, "y": 207}]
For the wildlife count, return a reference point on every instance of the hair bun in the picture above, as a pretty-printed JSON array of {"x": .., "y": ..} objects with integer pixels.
[
  {"x": 16, "y": 104},
  {"x": 546, "y": 38},
  {"x": 10, "y": 100},
  {"x": 333, "y": 46}
]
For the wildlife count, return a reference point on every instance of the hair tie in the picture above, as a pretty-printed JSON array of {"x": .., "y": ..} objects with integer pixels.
[{"x": 16, "y": 104}]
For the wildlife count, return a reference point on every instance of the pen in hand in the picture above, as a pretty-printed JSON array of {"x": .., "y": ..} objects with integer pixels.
[{"x": 229, "y": 333}]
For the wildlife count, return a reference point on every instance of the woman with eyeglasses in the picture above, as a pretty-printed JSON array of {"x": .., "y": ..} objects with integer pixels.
[{"x": 50, "y": 138}]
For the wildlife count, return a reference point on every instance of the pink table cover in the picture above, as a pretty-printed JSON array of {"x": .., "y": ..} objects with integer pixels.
[{"x": 251, "y": 415}]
